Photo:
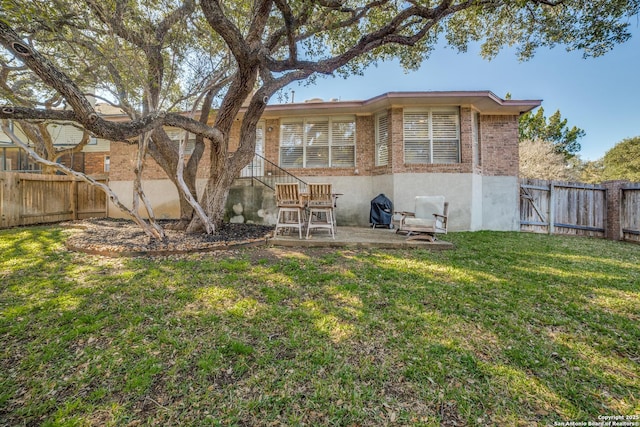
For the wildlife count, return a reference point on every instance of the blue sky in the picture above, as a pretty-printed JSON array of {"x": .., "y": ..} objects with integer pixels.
[{"x": 600, "y": 95}]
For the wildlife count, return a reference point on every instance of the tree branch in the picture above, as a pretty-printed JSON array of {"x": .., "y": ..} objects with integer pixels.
[
  {"x": 138, "y": 192},
  {"x": 112, "y": 196},
  {"x": 178, "y": 15},
  {"x": 226, "y": 29},
  {"x": 49, "y": 74},
  {"x": 389, "y": 33}
]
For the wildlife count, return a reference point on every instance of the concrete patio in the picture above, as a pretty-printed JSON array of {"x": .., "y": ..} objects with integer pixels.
[{"x": 357, "y": 237}]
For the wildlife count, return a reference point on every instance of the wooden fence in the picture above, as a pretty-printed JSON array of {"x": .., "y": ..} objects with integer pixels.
[
  {"x": 630, "y": 213},
  {"x": 580, "y": 209},
  {"x": 27, "y": 199}
]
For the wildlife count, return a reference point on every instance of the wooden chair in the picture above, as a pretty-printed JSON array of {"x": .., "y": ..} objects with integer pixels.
[
  {"x": 290, "y": 208},
  {"x": 430, "y": 218},
  {"x": 320, "y": 205}
]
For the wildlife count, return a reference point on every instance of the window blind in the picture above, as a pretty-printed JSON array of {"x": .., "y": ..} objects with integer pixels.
[
  {"x": 317, "y": 143},
  {"x": 417, "y": 142},
  {"x": 343, "y": 143},
  {"x": 432, "y": 136},
  {"x": 445, "y": 137},
  {"x": 382, "y": 140},
  {"x": 291, "y": 139}
]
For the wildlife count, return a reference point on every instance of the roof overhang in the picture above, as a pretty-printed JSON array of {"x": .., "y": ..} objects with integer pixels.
[{"x": 485, "y": 102}]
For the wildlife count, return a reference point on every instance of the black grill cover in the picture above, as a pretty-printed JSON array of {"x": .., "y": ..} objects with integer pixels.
[{"x": 381, "y": 211}]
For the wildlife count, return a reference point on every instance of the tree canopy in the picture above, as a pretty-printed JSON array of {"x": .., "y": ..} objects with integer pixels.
[
  {"x": 160, "y": 58},
  {"x": 537, "y": 127},
  {"x": 540, "y": 160},
  {"x": 623, "y": 161}
]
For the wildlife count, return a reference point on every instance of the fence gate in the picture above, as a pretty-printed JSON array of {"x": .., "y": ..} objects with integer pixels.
[
  {"x": 562, "y": 208},
  {"x": 534, "y": 207}
]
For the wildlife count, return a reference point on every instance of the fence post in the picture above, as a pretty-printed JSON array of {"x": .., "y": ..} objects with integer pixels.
[
  {"x": 74, "y": 199},
  {"x": 613, "y": 227},
  {"x": 2, "y": 203},
  {"x": 552, "y": 207}
]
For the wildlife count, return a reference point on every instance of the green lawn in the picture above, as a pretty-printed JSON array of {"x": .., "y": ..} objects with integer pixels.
[{"x": 507, "y": 329}]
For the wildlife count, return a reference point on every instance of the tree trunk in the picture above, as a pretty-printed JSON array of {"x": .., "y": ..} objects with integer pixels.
[
  {"x": 226, "y": 167},
  {"x": 138, "y": 193},
  {"x": 216, "y": 191},
  {"x": 223, "y": 172},
  {"x": 165, "y": 153},
  {"x": 214, "y": 201}
]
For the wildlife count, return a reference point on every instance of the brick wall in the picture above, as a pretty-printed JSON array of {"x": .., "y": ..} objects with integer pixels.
[
  {"x": 396, "y": 135},
  {"x": 94, "y": 163},
  {"x": 499, "y": 145},
  {"x": 498, "y": 142},
  {"x": 272, "y": 141},
  {"x": 74, "y": 161},
  {"x": 123, "y": 161},
  {"x": 466, "y": 139},
  {"x": 365, "y": 144},
  {"x": 90, "y": 163}
]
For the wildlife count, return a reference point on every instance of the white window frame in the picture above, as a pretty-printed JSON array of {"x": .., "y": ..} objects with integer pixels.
[
  {"x": 428, "y": 135},
  {"x": 382, "y": 146},
  {"x": 304, "y": 142}
]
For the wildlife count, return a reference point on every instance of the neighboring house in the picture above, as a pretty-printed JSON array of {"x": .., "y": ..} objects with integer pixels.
[
  {"x": 463, "y": 145},
  {"x": 92, "y": 160}
]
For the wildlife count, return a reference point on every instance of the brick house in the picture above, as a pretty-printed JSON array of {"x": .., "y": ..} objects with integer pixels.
[
  {"x": 92, "y": 160},
  {"x": 461, "y": 144}
]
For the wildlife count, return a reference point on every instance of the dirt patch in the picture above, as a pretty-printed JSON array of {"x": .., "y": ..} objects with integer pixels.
[{"x": 112, "y": 237}]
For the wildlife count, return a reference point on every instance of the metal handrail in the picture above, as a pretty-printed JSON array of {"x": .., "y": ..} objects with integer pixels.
[{"x": 268, "y": 173}]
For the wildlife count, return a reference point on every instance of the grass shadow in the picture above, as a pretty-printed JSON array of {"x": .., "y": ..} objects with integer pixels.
[{"x": 478, "y": 335}]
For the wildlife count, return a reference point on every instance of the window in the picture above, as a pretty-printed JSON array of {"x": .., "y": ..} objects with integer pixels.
[
  {"x": 382, "y": 139},
  {"x": 177, "y": 136},
  {"x": 291, "y": 145},
  {"x": 343, "y": 143},
  {"x": 5, "y": 164},
  {"x": 256, "y": 167},
  {"x": 189, "y": 147},
  {"x": 65, "y": 135},
  {"x": 432, "y": 136},
  {"x": 318, "y": 142},
  {"x": 316, "y": 134},
  {"x": 17, "y": 160}
]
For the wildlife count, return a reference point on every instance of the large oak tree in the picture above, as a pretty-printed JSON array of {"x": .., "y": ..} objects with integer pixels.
[{"x": 137, "y": 50}]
